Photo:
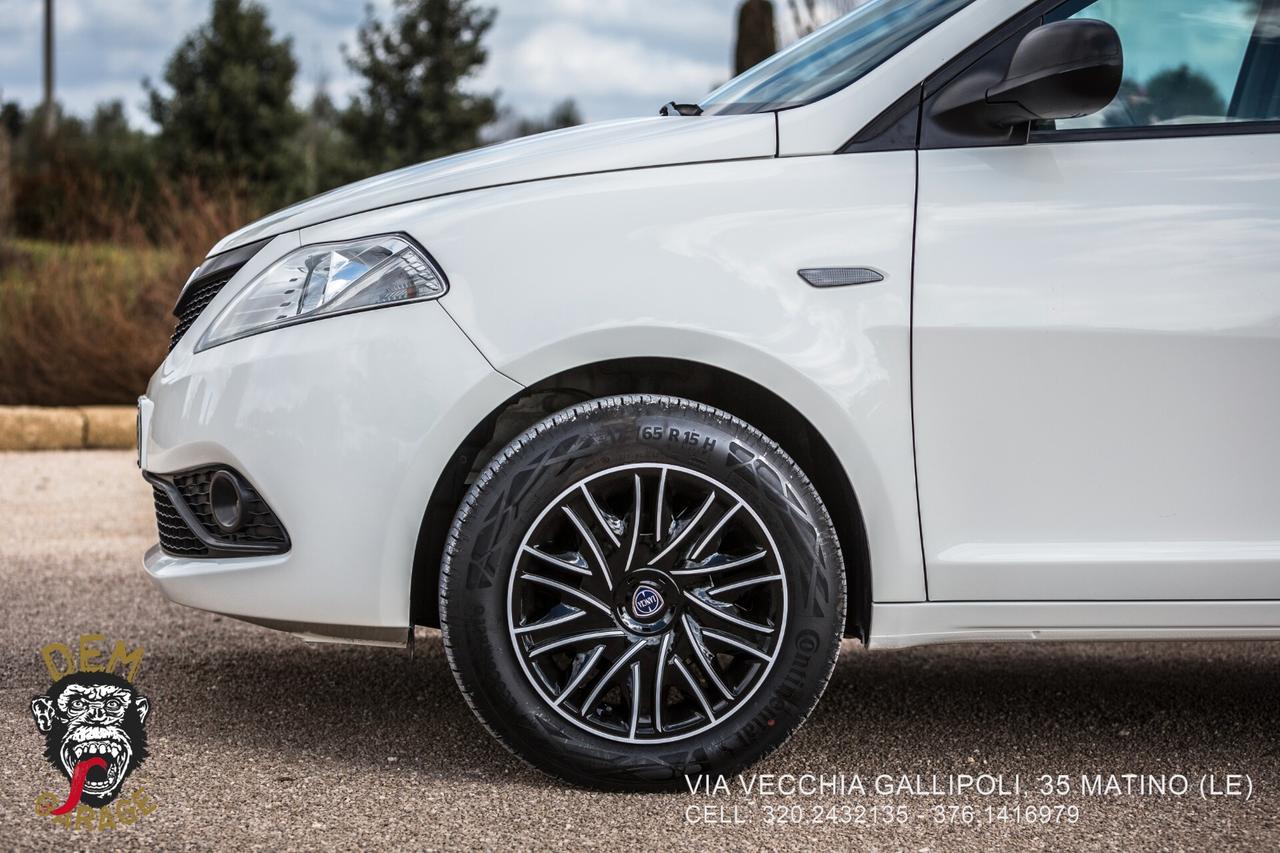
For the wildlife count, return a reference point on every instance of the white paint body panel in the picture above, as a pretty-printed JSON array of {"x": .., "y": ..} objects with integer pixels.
[
  {"x": 1097, "y": 369},
  {"x": 340, "y": 425},
  {"x": 902, "y": 625},
  {"x": 604, "y": 146},
  {"x": 1097, "y": 328},
  {"x": 592, "y": 267},
  {"x": 699, "y": 262}
]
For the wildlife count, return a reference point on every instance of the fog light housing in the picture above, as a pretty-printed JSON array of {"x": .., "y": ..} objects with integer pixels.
[
  {"x": 226, "y": 501},
  {"x": 214, "y": 511}
]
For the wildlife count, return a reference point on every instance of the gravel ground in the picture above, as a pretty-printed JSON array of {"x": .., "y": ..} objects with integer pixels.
[{"x": 261, "y": 741}]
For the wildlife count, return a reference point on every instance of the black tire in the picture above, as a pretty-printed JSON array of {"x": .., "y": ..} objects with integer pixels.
[{"x": 671, "y": 451}]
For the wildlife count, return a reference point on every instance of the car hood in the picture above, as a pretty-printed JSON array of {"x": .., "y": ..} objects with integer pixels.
[{"x": 602, "y": 147}]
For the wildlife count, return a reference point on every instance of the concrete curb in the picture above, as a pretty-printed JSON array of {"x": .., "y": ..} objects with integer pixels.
[{"x": 67, "y": 427}]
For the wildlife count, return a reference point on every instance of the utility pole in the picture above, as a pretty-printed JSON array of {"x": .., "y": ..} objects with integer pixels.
[{"x": 50, "y": 119}]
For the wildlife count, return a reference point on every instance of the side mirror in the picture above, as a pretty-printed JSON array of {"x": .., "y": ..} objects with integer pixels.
[{"x": 1066, "y": 69}]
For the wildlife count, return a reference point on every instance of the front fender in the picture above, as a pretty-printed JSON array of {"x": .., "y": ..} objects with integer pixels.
[{"x": 699, "y": 262}]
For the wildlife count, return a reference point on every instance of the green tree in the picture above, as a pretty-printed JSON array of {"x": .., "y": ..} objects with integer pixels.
[
  {"x": 511, "y": 125},
  {"x": 90, "y": 180},
  {"x": 13, "y": 118},
  {"x": 325, "y": 152},
  {"x": 119, "y": 158},
  {"x": 227, "y": 116},
  {"x": 412, "y": 106},
  {"x": 563, "y": 114}
]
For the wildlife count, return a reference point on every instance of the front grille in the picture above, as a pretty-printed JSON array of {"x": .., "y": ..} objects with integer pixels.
[
  {"x": 260, "y": 525},
  {"x": 175, "y": 536},
  {"x": 192, "y": 304},
  {"x": 205, "y": 284}
]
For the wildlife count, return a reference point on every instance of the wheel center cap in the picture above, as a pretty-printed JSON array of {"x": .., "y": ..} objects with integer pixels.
[{"x": 647, "y": 603}]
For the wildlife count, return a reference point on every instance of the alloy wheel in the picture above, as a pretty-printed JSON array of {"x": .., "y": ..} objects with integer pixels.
[{"x": 647, "y": 603}]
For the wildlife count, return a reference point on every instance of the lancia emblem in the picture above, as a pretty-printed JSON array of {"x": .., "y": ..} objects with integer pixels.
[{"x": 646, "y": 601}]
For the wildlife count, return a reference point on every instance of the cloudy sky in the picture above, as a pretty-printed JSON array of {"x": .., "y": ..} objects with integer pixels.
[{"x": 614, "y": 57}]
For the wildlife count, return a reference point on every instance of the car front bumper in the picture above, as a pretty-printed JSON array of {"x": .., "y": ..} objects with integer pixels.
[{"x": 343, "y": 426}]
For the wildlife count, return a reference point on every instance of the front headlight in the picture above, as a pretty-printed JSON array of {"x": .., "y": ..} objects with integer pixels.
[{"x": 322, "y": 280}]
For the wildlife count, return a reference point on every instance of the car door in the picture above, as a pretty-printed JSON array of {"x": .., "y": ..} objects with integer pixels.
[{"x": 1096, "y": 325}]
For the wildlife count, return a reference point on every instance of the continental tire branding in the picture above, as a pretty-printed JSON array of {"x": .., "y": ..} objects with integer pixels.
[
  {"x": 779, "y": 705},
  {"x": 807, "y": 642}
]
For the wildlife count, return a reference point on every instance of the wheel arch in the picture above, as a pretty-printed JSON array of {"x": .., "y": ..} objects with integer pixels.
[{"x": 704, "y": 383}]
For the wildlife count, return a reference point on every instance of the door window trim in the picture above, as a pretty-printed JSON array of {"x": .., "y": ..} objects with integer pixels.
[{"x": 1160, "y": 131}]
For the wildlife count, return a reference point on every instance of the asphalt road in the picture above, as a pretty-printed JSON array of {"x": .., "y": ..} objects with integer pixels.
[{"x": 259, "y": 741}]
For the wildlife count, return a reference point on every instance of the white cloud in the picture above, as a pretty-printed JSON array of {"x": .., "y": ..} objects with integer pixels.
[
  {"x": 614, "y": 57},
  {"x": 572, "y": 60},
  {"x": 676, "y": 19},
  {"x": 142, "y": 21},
  {"x": 18, "y": 18}
]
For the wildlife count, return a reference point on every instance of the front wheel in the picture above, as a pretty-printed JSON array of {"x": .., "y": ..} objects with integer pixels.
[{"x": 641, "y": 588}]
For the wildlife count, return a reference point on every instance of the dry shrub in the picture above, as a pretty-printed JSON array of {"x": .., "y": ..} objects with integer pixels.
[{"x": 88, "y": 323}]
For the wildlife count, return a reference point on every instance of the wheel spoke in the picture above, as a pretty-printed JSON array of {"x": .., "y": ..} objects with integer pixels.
[
  {"x": 684, "y": 531},
  {"x": 568, "y": 590},
  {"x": 695, "y": 688},
  {"x": 722, "y": 565},
  {"x": 704, "y": 656},
  {"x": 635, "y": 525},
  {"x": 659, "y": 673},
  {"x": 635, "y": 697},
  {"x": 735, "y": 642},
  {"x": 722, "y": 610},
  {"x": 706, "y": 540},
  {"x": 743, "y": 584},
  {"x": 608, "y": 676},
  {"x": 592, "y": 544},
  {"x": 560, "y": 561},
  {"x": 662, "y": 488},
  {"x": 595, "y": 510},
  {"x": 551, "y": 645},
  {"x": 580, "y": 675},
  {"x": 550, "y": 622}
]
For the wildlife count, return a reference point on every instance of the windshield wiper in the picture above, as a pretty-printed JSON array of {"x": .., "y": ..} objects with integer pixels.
[{"x": 671, "y": 108}]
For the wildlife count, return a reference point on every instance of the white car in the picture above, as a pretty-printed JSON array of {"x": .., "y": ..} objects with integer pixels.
[{"x": 957, "y": 320}]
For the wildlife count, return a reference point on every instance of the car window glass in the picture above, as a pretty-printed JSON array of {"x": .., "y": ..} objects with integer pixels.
[
  {"x": 1187, "y": 62},
  {"x": 832, "y": 57}
]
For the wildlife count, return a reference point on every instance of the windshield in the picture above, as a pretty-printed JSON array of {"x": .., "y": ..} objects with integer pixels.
[{"x": 830, "y": 58}]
